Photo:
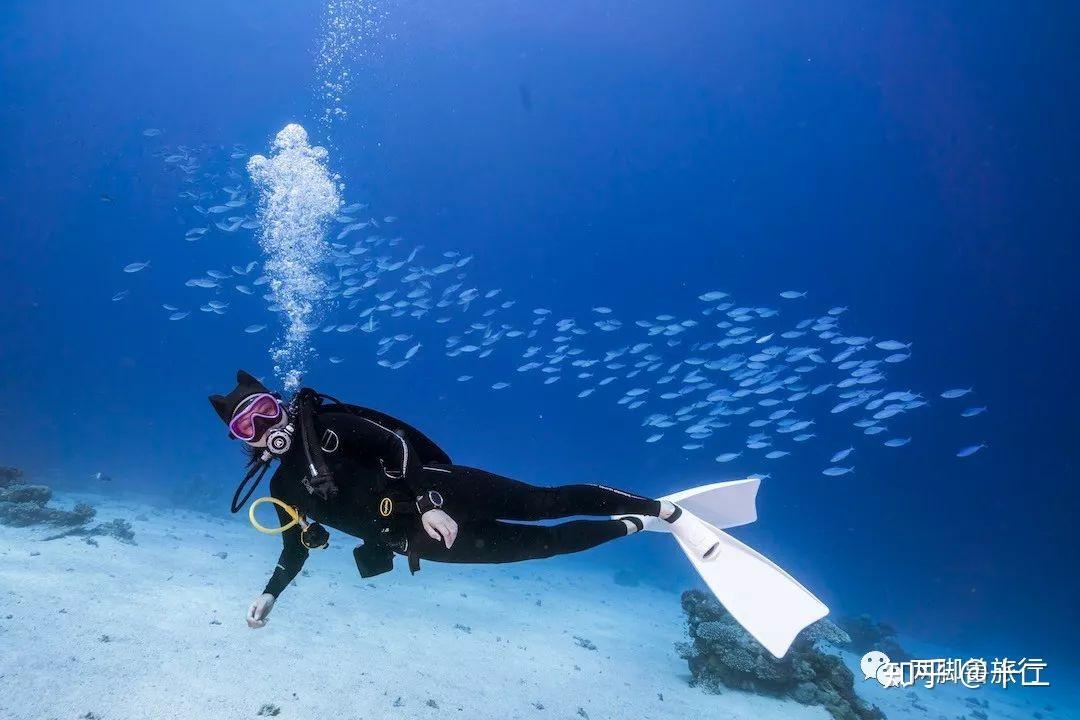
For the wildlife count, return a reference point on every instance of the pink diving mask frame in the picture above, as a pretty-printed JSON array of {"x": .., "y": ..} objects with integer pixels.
[{"x": 261, "y": 405}]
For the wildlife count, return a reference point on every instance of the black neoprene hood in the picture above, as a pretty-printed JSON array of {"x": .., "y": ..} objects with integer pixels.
[{"x": 246, "y": 386}]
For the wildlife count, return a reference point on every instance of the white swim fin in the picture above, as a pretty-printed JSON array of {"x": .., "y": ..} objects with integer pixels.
[
  {"x": 694, "y": 534},
  {"x": 722, "y": 504},
  {"x": 770, "y": 604}
]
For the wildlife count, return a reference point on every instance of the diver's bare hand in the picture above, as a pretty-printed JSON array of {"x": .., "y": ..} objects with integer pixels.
[
  {"x": 256, "y": 615},
  {"x": 440, "y": 526}
]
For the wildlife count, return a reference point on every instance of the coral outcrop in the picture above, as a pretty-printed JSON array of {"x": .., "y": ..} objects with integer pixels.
[
  {"x": 723, "y": 655},
  {"x": 23, "y": 505},
  {"x": 867, "y": 635}
]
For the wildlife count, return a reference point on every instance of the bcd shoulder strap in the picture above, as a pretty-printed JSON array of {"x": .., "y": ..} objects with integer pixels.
[{"x": 426, "y": 448}]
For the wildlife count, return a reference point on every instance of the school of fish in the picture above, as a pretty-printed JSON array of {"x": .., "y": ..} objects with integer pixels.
[{"x": 730, "y": 379}]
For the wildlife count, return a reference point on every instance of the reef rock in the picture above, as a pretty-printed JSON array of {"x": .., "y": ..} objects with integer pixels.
[
  {"x": 9, "y": 476},
  {"x": 118, "y": 528},
  {"x": 723, "y": 655},
  {"x": 38, "y": 494},
  {"x": 25, "y": 505},
  {"x": 867, "y": 635}
]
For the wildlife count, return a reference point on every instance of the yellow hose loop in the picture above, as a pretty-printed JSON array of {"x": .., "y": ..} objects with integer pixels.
[{"x": 293, "y": 513}]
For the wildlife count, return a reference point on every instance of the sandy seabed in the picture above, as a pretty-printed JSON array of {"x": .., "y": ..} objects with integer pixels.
[{"x": 156, "y": 630}]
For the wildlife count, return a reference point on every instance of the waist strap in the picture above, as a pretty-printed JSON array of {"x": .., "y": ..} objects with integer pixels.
[
  {"x": 396, "y": 504},
  {"x": 397, "y": 507}
]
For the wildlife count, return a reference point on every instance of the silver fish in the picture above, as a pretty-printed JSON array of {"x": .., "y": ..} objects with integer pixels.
[
  {"x": 840, "y": 456},
  {"x": 970, "y": 450}
]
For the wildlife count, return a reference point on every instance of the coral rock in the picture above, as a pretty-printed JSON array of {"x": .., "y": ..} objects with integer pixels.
[
  {"x": 866, "y": 635},
  {"x": 39, "y": 494},
  {"x": 723, "y": 655},
  {"x": 9, "y": 476}
]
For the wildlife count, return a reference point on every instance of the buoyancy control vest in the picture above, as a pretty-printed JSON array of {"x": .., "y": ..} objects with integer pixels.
[{"x": 318, "y": 480}]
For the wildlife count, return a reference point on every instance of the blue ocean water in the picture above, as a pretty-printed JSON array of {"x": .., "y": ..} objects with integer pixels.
[{"x": 914, "y": 163}]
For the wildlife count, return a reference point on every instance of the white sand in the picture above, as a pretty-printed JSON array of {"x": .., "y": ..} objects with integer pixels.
[{"x": 337, "y": 646}]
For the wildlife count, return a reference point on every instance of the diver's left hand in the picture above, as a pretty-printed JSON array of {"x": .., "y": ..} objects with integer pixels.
[{"x": 440, "y": 526}]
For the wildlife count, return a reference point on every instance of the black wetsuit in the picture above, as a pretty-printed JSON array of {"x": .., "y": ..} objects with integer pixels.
[{"x": 376, "y": 468}]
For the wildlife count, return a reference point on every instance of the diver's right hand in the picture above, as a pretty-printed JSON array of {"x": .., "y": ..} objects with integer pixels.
[{"x": 256, "y": 615}]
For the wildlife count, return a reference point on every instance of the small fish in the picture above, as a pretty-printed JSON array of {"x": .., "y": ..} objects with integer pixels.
[
  {"x": 654, "y": 438},
  {"x": 136, "y": 266},
  {"x": 170, "y": 308},
  {"x": 254, "y": 328},
  {"x": 335, "y": 359},
  {"x": 120, "y": 295},
  {"x": 897, "y": 442},
  {"x": 777, "y": 454},
  {"x": 970, "y": 450},
  {"x": 727, "y": 457},
  {"x": 712, "y": 296},
  {"x": 955, "y": 393},
  {"x": 179, "y": 315},
  {"x": 837, "y": 471},
  {"x": 891, "y": 345},
  {"x": 973, "y": 411},
  {"x": 500, "y": 385},
  {"x": 840, "y": 456},
  {"x": 101, "y": 477},
  {"x": 792, "y": 294},
  {"x": 151, "y": 132}
]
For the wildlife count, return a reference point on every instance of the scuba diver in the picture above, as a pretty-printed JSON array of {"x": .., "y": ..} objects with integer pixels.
[{"x": 383, "y": 481}]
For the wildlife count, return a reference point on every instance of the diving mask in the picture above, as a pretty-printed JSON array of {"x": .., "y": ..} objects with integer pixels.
[{"x": 255, "y": 415}]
